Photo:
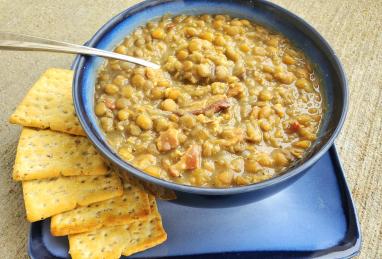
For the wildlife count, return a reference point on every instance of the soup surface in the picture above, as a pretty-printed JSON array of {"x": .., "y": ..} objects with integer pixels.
[{"x": 233, "y": 103}]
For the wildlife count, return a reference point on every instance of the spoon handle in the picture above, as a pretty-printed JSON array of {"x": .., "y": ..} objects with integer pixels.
[{"x": 13, "y": 41}]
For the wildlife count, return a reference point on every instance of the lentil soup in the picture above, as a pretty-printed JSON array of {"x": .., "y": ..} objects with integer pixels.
[{"x": 233, "y": 103}]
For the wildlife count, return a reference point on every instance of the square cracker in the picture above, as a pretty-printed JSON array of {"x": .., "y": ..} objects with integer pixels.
[
  {"x": 112, "y": 242},
  {"x": 49, "y": 104},
  {"x": 46, "y": 154},
  {"x": 48, "y": 197},
  {"x": 131, "y": 206}
]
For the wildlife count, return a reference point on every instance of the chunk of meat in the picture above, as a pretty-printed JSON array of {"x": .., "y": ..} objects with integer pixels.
[
  {"x": 189, "y": 161},
  {"x": 214, "y": 103},
  {"x": 192, "y": 157},
  {"x": 168, "y": 140},
  {"x": 214, "y": 107}
]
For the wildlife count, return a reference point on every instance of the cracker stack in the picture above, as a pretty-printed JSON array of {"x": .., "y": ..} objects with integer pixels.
[{"x": 63, "y": 177}]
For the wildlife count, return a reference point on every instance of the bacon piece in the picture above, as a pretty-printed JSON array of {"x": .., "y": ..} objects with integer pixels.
[
  {"x": 215, "y": 107},
  {"x": 189, "y": 161},
  {"x": 168, "y": 140}
]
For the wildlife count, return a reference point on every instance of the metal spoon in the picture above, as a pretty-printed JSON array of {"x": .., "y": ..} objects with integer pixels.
[{"x": 14, "y": 41}]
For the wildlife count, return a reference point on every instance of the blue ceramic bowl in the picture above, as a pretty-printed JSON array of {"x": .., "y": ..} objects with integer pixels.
[{"x": 270, "y": 15}]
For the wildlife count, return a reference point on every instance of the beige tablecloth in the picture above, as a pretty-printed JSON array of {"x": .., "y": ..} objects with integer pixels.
[{"x": 353, "y": 28}]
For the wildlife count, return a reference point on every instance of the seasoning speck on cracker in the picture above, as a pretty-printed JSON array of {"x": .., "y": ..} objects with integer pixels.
[
  {"x": 46, "y": 154},
  {"x": 49, "y": 104},
  {"x": 48, "y": 197},
  {"x": 133, "y": 205},
  {"x": 112, "y": 242}
]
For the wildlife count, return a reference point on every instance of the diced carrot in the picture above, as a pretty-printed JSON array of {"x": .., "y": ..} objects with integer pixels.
[{"x": 295, "y": 126}]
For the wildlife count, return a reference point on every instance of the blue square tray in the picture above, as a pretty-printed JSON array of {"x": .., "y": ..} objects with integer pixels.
[{"x": 314, "y": 217}]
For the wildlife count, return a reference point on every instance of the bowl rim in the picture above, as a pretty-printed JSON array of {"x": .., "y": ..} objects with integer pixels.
[{"x": 103, "y": 149}]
